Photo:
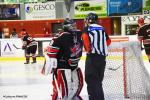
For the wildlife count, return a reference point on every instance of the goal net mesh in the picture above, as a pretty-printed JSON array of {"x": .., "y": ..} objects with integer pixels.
[{"x": 125, "y": 74}]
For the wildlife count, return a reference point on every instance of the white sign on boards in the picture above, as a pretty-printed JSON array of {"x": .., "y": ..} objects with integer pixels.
[{"x": 39, "y": 11}]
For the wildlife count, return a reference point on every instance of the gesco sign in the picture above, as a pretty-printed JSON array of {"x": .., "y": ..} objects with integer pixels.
[
  {"x": 44, "y": 7},
  {"x": 40, "y": 11}
]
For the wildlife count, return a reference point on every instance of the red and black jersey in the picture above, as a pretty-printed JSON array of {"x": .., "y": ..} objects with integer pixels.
[
  {"x": 144, "y": 33},
  {"x": 28, "y": 40},
  {"x": 67, "y": 48}
]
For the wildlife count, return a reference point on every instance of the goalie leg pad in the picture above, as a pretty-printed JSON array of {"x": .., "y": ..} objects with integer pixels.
[
  {"x": 63, "y": 82},
  {"x": 69, "y": 82},
  {"x": 77, "y": 83}
]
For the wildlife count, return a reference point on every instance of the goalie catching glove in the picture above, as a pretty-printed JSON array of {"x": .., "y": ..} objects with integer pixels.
[{"x": 49, "y": 65}]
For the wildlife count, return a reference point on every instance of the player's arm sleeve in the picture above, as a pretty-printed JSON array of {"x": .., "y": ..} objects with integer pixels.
[
  {"x": 140, "y": 34},
  {"x": 86, "y": 42},
  {"x": 54, "y": 47},
  {"x": 51, "y": 57},
  {"x": 49, "y": 65},
  {"x": 24, "y": 41},
  {"x": 108, "y": 40}
]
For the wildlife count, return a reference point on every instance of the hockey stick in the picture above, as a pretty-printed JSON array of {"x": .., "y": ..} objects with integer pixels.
[
  {"x": 16, "y": 46},
  {"x": 57, "y": 87},
  {"x": 116, "y": 68}
]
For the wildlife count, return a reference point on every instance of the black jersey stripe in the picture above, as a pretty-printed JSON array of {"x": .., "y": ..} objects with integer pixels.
[{"x": 98, "y": 43}]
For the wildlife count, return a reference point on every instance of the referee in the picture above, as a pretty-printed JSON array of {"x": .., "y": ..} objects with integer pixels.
[{"x": 95, "y": 42}]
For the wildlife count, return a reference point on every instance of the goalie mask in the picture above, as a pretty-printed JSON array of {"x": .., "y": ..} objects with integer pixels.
[
  {"x": 91, "y": 18},
  {"x": 69, "y": 25}
]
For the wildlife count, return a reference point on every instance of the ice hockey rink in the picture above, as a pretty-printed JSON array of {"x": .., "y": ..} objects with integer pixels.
[{"x": 25, "y": 82}]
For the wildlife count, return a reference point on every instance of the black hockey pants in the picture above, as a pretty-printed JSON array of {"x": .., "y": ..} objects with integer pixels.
[{"x": 94, "y": 73}]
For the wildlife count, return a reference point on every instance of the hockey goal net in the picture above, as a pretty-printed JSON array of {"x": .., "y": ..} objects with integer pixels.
[{"x": 125, "y": 74}]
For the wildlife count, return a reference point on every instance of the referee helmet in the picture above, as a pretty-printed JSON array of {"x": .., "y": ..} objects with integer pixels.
[{"x": 91, "y": 18}]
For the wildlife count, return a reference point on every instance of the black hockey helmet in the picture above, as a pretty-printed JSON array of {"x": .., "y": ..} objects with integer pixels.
[
  {"x": 69, "y": 25},
  {"x": 92, "y": 18}
]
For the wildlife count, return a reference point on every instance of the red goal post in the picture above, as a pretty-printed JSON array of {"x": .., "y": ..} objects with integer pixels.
[{"x": 121, "y": 39}]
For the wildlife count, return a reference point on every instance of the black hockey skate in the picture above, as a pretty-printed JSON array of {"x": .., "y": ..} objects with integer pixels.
[
  {"x": 27, "y": 62},
  {"x": 33, "y": 62}
]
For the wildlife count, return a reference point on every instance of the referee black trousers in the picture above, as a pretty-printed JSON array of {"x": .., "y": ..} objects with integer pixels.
[{"x": 94, "y": 74}]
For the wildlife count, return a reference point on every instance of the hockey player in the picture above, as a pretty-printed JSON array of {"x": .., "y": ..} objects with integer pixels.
[
  {"x": 62, "y": 59},
  {"x": 144, "y": 35},
  {"x": 29, "y": 45}
]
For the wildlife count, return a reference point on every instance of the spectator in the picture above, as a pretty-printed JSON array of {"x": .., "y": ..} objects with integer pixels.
[
  {"x": 6, "y": 32},
  {"x": 14, "y": 33},
  {"x": 144, "y": 36},
  {"x": 95, "y": 42}
]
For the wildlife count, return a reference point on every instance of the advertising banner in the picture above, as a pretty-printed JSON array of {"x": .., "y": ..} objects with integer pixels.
[
  {"x": 82, "y": 8},
  {"x": 11, "y": 48},
  {"x": 39, "y": 11},
  {"x": 146, "y": 7},
  {"x": 124, "y": 7}
]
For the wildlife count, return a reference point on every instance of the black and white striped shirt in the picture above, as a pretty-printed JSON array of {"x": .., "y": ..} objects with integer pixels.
[{"x": 98, "y": 39}]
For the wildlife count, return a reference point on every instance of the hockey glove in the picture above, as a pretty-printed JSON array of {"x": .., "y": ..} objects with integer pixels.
[
  {"x": 142, "y": 48},
  {"x": 49, "y": 65},
  {"x": 23, "y": 47}
]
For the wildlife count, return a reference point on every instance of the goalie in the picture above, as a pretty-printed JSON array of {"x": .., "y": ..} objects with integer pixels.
[{"x": 62, "y": 58}]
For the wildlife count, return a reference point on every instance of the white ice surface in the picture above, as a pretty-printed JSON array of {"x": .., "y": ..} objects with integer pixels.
[{"x": 25, "y": 82}]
